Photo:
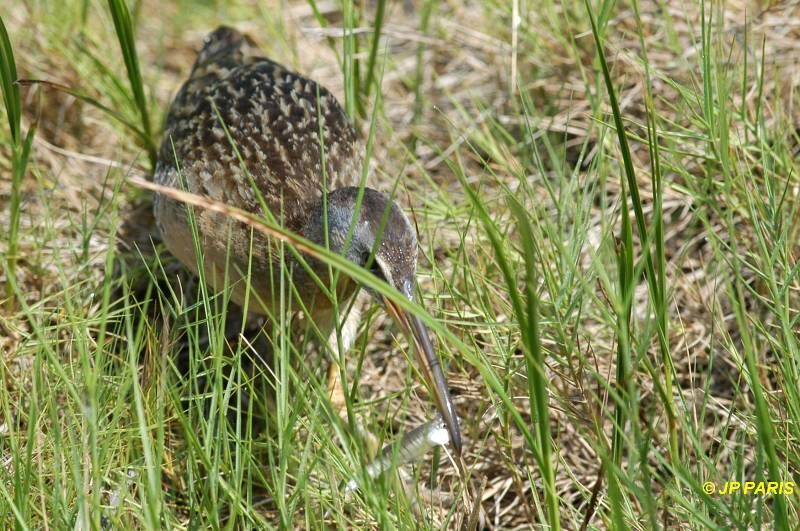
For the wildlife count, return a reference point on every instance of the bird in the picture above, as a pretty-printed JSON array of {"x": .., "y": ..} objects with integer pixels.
[{"x": 251, "y": 133}]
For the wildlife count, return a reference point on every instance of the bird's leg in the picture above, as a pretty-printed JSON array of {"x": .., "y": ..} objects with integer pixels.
[
  {"x": 339, "y": 343},
  {"x": 335, "y": 390}
]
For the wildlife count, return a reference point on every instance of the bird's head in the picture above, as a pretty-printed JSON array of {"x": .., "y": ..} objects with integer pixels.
[{"x": 381, "y": 238}]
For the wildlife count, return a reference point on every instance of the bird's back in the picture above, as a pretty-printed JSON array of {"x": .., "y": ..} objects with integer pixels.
[{"x": 241, "y": 110}]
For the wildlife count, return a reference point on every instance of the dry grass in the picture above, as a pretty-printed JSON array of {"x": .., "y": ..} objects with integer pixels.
[{"x": 461, "y": 113}]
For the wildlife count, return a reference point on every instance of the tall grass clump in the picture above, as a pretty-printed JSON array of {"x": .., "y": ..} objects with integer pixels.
[
  {"x": 606, "y": 200},
  {"x": 628, "y": 271},
  {"x": 525, "y": 306}
]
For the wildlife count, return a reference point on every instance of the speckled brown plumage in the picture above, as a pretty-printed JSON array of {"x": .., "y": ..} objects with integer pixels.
[
  {"x": 273, "y": 117},
  {"x": 237, "y": 100}
]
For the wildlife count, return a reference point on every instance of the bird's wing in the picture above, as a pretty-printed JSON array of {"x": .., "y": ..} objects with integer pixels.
[{"x": 290, "y": 133}]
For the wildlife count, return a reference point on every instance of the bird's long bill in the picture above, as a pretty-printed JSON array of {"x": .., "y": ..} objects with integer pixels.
[{"x": 431, "y": 369}]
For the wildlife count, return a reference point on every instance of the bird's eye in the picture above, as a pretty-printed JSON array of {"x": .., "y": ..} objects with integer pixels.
[
  {"x": 374, "y": 268},
  {"x": 372, "y": 264},
  {"x": 377, "y": 271}
]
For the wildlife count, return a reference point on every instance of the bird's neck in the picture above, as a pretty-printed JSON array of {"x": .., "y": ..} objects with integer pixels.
[
  {"x": 321, "y": 286},
  {"x": 313, "y": 277}
]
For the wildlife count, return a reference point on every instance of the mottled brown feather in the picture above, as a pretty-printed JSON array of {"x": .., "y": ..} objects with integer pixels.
[
  {"x": 285, "y": 127},
  {"x": 278, "y": 119}
]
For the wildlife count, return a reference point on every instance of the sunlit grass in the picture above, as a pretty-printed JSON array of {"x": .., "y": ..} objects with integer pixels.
[{"x": 614, "y": 294}]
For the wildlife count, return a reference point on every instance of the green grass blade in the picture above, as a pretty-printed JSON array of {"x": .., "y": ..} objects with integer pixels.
[
  {"x": 377, "y": 26},
  {"x": 349, "y": 60},
  {"x": 652, "y": 277},
  {"x": 534, "y": 359},
  {"x": 8, "y": 80},
  {"x": 127, "y": 44},
  {"x": 20, "y": 152}
]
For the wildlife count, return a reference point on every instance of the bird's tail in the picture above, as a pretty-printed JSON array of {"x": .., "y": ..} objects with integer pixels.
[{"x": 226, "y": 46}]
